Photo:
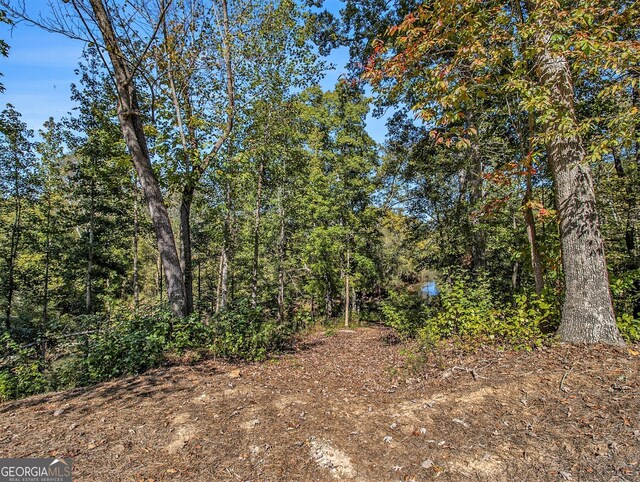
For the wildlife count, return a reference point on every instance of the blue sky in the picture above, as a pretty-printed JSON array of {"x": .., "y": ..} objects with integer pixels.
[{"x": 41, "y": 67}]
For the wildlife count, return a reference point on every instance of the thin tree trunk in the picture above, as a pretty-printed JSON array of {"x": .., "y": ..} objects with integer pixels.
[
  {"x": 476, "y": 194},
  {"x": 186, "y": 254},
  {"x": 256, "y": 237},
  {"x": 347, "y": 292},
  {"x": 132, "y": 130},
  {"x": 47, "y": 262},
  {"x": 13, "y": 247},
  {"x": 195, "y": 170},
  {"x": 159, "y": 277},
  {"x": 199, "y": 284},
  {"x": 89, "y": 273},
  {"x": 136, "y": 233},
  {"x": 226, "y": 250},
  {"x": 281, "y": 252},
  {"x": 219, "y": 284},
  {"x": 529, "y": 220},
  {"x": 536, "y": 260},
  {"x": 587, "y": 311}
]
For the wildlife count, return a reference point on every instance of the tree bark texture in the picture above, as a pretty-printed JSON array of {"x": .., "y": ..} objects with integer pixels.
[{"x": 587, "y": 311}]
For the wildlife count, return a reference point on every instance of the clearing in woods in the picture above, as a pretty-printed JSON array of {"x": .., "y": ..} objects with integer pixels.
[{"x": 344, "y": 407}]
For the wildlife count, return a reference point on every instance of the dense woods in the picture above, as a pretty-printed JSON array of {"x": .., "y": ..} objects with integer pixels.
[{"x": 207, "y": 195}]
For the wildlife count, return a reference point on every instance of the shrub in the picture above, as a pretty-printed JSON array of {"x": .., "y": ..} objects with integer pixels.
[
  {"x": 467, "y": 310},
  {"x": 21, "y": 373},
  {"x": 247, "y": 333},
  {"x": 629, "y": 328},
  {"x": 130, "y": 346},
  {"x": 406, "y": 313}
]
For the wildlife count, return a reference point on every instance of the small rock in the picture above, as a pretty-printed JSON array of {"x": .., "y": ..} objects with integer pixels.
[
  {"x": 393, "y": 426},
  {"x": 461, "y": 422},
  {"x": 234, "y": 373},
  {"x": 387, "y": 439},
  {"x": 58, "y": 412},
  {"x": 427, "y": 464}
]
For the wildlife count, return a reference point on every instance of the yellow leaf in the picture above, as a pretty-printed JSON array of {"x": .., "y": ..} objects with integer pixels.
[{"x": 633, "y": 352}]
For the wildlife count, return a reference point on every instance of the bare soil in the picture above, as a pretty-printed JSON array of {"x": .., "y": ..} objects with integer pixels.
[{"x": 346, "y": 406}]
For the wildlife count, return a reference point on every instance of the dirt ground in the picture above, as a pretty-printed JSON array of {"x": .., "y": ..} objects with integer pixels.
[{"x": 344, "y": 406}]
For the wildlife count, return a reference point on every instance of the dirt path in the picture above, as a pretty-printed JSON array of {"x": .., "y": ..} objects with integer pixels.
[{"x": 344, "y": 408}]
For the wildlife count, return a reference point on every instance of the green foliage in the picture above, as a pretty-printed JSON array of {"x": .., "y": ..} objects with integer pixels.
[
  {"x": 21, "y": 371},
  {"x": 470, "y": 311},
  {"x": 247, "y": 333},
  {"x": 405, "y": 312},
  {"x": 128, "y": 347},
  {"x": 629, "y": 328}
]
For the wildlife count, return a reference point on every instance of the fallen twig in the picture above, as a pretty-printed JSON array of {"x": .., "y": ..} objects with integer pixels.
[{"x": 564, "y": 377}]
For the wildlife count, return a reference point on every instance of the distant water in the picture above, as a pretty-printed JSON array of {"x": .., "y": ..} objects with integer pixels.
[{"x": 430, "y": 289}]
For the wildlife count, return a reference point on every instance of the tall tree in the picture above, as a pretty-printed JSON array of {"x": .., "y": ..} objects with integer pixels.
[
  {"x": 420, "y": 56},
  {"x": 17, "y": 168},
  {"x": 131, "y": 123}
]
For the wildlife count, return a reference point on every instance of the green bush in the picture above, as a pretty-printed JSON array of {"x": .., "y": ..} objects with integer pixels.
[
  {"x": 130, "y": 346},
  {"x": 127, "y": 344},
  {"x": 21, "y": 372},
  {"x": 467, "y": 310},
  {"x": 470, "y": 311},
  {"x": 629, "y": 328},
  {"x": 247, "y": 333},
  {"x": 406, "y": 313}
]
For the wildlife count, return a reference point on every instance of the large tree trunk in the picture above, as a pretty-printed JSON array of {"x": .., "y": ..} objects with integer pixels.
[
  {"x": 131, "y": 123},
  {"x": 587, "y": 311}
]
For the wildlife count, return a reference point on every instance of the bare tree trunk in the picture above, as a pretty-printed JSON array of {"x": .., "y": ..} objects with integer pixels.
[
  {"x": 347, "y": 290},
  {"x": 136, "y": 233},
  {"x": 159, "y": 277},
  {"x": 186, "y": 257},
  {"x": 587, "y": 312},
  {"x": 256, "y": 237},
  {"x": 476, "y": 186},
  {"x": 281, "y": 251},
  {"x": 89, "y": 273},
  {"x": 13, "y": 248},
  {"x": 132, "y": 130},
  {"x": 226, "y": 251},
  {"x": 219, "y": 284},
  {"x": 536, "y": 260},
  {"x": 47, "y": 263}
]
